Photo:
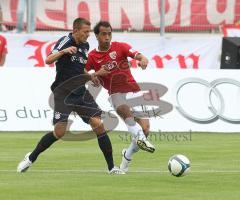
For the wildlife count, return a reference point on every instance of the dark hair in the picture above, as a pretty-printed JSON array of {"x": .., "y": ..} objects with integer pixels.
[
  {"x": 78, "y": 22},
  {"x": 105, "y": 24}
]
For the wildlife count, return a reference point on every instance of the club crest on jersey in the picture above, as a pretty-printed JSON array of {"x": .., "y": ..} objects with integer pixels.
[
  {"x": 113, "y": 55},
  {"x": 57, "y": 115}
]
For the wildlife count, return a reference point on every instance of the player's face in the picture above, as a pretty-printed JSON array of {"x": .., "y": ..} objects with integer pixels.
[
  {"x": 104, "y": 37},
  {"x": 82, "y": 34}
]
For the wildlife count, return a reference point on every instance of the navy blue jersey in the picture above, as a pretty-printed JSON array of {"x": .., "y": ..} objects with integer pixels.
[{"x": 69, "y": 65}]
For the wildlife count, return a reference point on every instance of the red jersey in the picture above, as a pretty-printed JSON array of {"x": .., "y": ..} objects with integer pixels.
[
  {"x": 115, "y": 60},
  {"x": 3, "y": 46}
]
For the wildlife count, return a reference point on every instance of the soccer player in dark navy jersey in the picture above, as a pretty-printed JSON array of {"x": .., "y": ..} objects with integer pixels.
[
  {"x": 74, "y": 59},
  {"x": 70, "y": 94}
]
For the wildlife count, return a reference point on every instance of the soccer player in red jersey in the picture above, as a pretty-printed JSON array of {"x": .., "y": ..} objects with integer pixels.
[
  {"x": 110, "y": 63},
  {"x": 3, "y": 50}
]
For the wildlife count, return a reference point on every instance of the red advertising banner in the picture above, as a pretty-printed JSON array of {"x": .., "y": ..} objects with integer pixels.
[{"x": 181, "y": 15}]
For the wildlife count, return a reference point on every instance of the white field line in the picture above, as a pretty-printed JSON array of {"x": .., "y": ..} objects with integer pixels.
[{"x": 104, "y": 171}]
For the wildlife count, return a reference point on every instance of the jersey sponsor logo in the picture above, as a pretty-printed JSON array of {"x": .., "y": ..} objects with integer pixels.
[
  {"x": 78, "y": 59},
  {"x": 110, "y": 65},
  {"x": 113, "y": 55}
]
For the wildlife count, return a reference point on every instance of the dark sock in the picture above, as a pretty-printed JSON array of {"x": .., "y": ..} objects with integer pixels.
[
  {"x": 45, "y": 142},
  {"x": 106, "y": 147}
]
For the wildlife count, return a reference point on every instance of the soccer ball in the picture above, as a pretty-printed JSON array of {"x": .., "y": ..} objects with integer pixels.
[{"x": 179, "y": 165}]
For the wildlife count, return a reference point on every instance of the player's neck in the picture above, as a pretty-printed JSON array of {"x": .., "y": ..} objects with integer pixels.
[
  {"x": 77, "y": 41},
  {"x": 103, "y": 47}
]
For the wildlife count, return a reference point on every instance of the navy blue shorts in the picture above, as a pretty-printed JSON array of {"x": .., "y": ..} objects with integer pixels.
[{"x": 84, "y": 105}]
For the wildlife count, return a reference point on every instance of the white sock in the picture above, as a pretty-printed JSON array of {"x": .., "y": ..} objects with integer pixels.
[
  {"x": 133, "y": 148},
  {"x": 135, "y": 129}
]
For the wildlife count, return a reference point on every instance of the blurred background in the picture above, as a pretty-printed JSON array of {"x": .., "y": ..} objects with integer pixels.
[{"x": 171, "y": 16}]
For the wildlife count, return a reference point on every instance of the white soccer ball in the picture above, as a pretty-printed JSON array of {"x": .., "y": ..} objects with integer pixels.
[{"x": 179, "y": 165}]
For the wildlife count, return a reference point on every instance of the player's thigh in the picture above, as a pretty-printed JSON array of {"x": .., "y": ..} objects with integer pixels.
[
  {"x": 119, "y": 102},
  {"x": 87, "y": 108},
  {"x": 60, "y": 116},
  {"x": 144, "y": 123},
  {"x": 124, "y": 111},
  {"x": 117, "y": 99}
]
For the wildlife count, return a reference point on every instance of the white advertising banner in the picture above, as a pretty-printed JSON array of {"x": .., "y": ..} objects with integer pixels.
[
  {"x": 169, "y": 53},
  {"x": 200, "y": 100}
]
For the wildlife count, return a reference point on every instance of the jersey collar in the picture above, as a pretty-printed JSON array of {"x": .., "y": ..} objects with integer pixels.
[{"x": 97, "y": 49}]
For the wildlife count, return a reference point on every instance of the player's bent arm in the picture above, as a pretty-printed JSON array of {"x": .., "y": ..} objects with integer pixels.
[
  {"x": 141, "y": 57},
  {"x": 53, "y": 57},
  {"x": 143, "y": 61},
  {"x": 102, "y": 72},
  {"x": 56, "y": 55},
  {"x": 93, "y": 78},
  {"x": 88, "y": 74}
]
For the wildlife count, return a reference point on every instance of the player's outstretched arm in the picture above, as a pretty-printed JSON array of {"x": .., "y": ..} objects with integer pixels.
[
  {"x": 143, "y": 61},
  {"x": 55, "y": 56},
  {"x": 102, "y": 72},
  {"x": 93, "y": 78}
]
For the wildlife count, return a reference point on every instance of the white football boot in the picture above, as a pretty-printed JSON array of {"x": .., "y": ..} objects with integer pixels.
[
  {"x": 125, "y": 162},
  {"x": 24, "y": 164},
  {"x": 116, "y": 171},
  {"x": 145, "y": 145}
]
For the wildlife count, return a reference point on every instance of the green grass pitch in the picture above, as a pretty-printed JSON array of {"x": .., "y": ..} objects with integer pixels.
[{"x": 77, "y": 170}]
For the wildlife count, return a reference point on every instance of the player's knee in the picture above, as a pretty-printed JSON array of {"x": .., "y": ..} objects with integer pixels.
[
  {"x": 97, "y": 125},
  {"x": 59, "y": 130},
  {"x": 124, "y": 111},
  {"x": 59, "y": 133}
]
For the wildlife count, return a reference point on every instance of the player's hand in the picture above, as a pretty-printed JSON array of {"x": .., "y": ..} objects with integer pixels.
[
  {"x": 102, "y": 72},
  {"x": 70, "y": 50},
  {"x": 143, "y": 63},
  {"x": 95, "y": 80}
]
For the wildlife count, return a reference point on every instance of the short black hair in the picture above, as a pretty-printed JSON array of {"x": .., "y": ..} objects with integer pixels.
[
  {"x": 78, "y": 22},
  {"x": 105, "y": 24}
]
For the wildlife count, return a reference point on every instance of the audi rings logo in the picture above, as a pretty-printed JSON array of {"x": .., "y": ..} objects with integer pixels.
[{"x": 216, "y": 112}]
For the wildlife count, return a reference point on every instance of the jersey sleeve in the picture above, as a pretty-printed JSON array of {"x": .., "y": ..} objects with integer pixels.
[
  {"x": 61, "y": 44},
  {"x": 128, "y": 50}
]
